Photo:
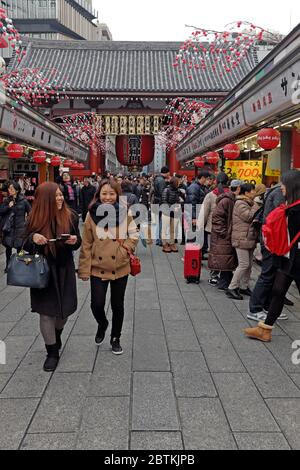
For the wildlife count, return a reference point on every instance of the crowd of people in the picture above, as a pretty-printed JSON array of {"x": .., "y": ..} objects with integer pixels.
[{"x": 228, "y": 215}]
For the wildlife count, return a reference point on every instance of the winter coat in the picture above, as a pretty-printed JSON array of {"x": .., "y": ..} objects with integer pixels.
[
  {"x": 273, "y": 198},
  {"x": 87, "y": 194},
  {"x": 209, "y": 205},
  {"x": 171, "y": 197},
  {"x": 17, "y": 215},
  {"x": 244, "y": 233},
  {"x": 74, "y": 205},
  {"x": 222, "y": 255},
  {"x": 145, "y": 196},
  {"x": 59, "y": 298},
  {"x": 159, "y": 185},
  {"x": 103, "y": 257},
  {"x": 195, "y": 195},
  {"x": 131, "y": 198}
]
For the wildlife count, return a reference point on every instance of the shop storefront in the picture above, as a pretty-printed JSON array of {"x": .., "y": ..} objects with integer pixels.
[
  {"x": 43, "y": 146},
  {"x": 269, "y": 98}
]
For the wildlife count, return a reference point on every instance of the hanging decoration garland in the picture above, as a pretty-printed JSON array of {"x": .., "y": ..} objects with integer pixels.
[
  {"x": 181, "y": 116},
  {"x": 221, "y": 52},
  {"x": 9, "y": 33},
  {"x": 35, "y": 87},
  {"x": 85, "y": 128}
]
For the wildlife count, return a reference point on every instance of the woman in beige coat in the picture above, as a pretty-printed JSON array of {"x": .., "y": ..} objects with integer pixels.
[
  {"x": 244, "y": 240},
  {"x": 109, "y": 236}
]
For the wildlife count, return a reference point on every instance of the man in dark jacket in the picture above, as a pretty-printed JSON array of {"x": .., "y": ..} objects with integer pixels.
[
  {"x": 87, "y": 193},
  {"x": 261, "y": 296},
  {"x": 196, "y": 193}
]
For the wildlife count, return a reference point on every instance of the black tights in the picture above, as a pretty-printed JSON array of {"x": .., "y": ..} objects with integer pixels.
[
  {"x": 281, "y": 286},
  {"x": 8, "y": 253},
  {"x": 98, "y": 294}
]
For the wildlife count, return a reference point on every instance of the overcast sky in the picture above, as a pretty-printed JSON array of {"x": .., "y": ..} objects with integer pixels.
[{"x": 164, "y": 20}]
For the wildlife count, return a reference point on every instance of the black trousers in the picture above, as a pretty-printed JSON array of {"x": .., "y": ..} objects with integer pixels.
[
  {"x": 98, "y": 298},
  {"x": 281, "y": 286},
  {"x": 8, "y": 253},
  {"x": 262, "y": 293}
]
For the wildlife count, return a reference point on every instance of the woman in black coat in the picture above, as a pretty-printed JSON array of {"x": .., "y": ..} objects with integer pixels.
[
  {"x": 288, "y": 265},
  {"x": 13, "y": 212},
  {"x": 53, "y": 231}
]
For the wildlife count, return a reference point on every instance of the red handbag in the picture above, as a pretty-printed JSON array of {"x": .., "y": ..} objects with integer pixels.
[{"x": 135, "y": 262}]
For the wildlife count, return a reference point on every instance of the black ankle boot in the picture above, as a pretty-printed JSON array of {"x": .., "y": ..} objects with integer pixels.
[
  {"x": 52, "y": 358},
  {"x": 58, "y": 334}
]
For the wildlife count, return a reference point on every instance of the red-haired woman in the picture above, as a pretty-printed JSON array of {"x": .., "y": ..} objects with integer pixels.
[{"x": 51, "y": 219}]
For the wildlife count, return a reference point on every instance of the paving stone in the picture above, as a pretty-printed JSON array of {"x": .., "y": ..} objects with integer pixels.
[
  {"x": 282, "y": 350},
  {"x": 61, "y": 407},
  {"x": 204, "y": 425},
  {"x": 294, "y": 377},
  {"x": 15, "y": 416},
  {"x": 16, "y": 348},
  {"x": 156, "y": 441},
  {"x": 244, "y": 407},
  {"x": 291, "y": 328},
  {"x": 27, "y": 326},
  {"x": 287, "y": 414},
  {"x": 150, "y": 353},
  {"x": 271, "y": 380},
  {"x": 49, "y": 442},
  {"x": 112, "y": 375},
  {"x": 220, "y": 354},
  {"x": 29, "y": 380},
  {"x": 79, "y": 355},
  {"x": 154, "y": 406},
  {"x": 15, "y": 306},
  {"x": 5, "y": 328},
  {"x": 148, "y": 322},
  {"x": 4, "y": 378},
  {"x": 191, "y": 375},
  {"x": 261, "y": 441},
  {"x": 181, "y": 336},
  {"x": 105, "y": 424}
]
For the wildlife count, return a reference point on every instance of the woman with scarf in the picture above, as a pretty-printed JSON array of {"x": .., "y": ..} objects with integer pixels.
[
  {"x": 52, "y": 230},
  {"x": 109, "y": 236}
]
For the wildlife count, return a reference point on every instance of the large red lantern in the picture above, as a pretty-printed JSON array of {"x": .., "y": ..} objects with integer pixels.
[
  {"x": 199, "y": 162},
  {"x": 55, "y": 161},
  {"x": 15, "y": 151},
  {"x": 268, "y": 139},
  {"x": 68, "y": 163},
  {"x": 212, "y": 158},
  {"x": 135, "y": 150},
  {"x": 231, "y": 151},
  {"x": 39, "y": 156}
]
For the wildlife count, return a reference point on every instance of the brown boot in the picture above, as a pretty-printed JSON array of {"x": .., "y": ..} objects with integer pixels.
[
  {"x": 262, "y": 332},
  {"x": 166, "y": 248},
  {"x": 174, "y": 248}
]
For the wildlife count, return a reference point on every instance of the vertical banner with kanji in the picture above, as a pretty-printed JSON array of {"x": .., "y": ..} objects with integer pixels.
[{"x": 249, "y": 171}]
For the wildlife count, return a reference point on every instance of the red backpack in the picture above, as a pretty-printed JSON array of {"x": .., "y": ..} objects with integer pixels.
[{"x": 275, "y": 231}]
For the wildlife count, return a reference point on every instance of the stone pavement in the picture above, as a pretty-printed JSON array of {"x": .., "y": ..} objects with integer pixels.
[{"x": 188, "y": 379}]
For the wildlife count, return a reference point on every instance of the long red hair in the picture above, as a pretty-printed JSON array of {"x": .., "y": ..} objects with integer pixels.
[{"x": 45, "y": 218}]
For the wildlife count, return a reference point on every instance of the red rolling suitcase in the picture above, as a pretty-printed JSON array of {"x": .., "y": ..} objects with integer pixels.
[{"x": 192, "y": 263}]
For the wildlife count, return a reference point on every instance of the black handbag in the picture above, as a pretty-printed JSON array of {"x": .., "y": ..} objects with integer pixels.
[{"x": 28, "y": 271}]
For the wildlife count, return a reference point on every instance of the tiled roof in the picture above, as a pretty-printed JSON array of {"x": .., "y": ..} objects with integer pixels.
[{"x": 111, "y": 66}]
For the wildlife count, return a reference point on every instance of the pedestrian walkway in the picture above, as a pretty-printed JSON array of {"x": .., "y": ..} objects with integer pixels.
[{"x": 188, "y": 379}]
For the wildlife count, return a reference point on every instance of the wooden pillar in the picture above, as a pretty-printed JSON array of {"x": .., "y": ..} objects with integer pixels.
[
  {"x": 173, "y": 163},
  {"x": 94, "y": 159},
  {"x": 43, "y": 173}
]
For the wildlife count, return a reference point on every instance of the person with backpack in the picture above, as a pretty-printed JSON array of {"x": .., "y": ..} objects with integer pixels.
[
  {"x": 261, "y": 296},
  {"x": 244, "y": 239},
  {"x": 282, "y": 234}
]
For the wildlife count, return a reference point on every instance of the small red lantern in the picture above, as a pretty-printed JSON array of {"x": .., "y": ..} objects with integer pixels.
[
  {"x": 39, "y": 156},
  {"x": 55, "y": 161},
  {"x": 68, "y": 163},
  {"x": 81, "y": 166},
  {"x": 15, "y": 151},
  {"x": 213, "y": 158},
  {"x": 231, "y": 151},
  {"x": 76, "y": 166},
  {"x": 268, "y": 139},
  {"x": 199, "y": 162}
]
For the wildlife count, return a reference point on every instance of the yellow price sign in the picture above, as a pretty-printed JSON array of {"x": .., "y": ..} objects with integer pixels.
[{"x": 249, "y": 171}]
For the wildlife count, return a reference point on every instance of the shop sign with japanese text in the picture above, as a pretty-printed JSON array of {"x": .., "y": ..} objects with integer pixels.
[{"x": 249, "y": 171}]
